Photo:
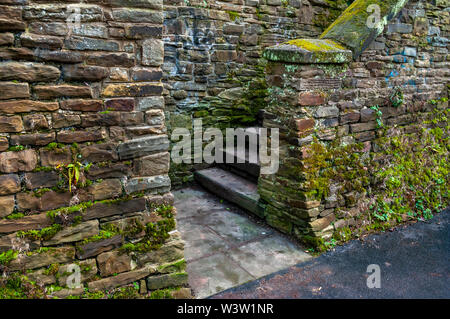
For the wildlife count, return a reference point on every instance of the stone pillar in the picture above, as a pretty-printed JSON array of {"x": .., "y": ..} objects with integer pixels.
[{"x": 303, "y": 75}]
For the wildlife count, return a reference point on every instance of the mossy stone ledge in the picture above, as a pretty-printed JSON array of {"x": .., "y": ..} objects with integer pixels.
[
  {"x": 352, "y": 27},
  {"x": 309, "y": 51}
]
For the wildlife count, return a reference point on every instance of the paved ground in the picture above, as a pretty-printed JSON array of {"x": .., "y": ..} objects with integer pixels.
[
  {"x": 224, "y": 248},
  {"x": 414, "y": 262}
]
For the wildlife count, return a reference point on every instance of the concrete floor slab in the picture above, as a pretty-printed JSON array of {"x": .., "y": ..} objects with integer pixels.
[
  {"x": 267, "y": 256},
  {"x": 200, "y": 241},
  {"x": 224, "y": 246},
  {"x": 234, "y": 228},
  {"x": 213, "y": 274}
]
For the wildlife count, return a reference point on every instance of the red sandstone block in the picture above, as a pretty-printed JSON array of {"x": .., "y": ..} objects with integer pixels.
[{"x": 311, "y": 99}]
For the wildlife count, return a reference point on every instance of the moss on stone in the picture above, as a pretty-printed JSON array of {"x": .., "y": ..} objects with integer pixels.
[{"x": 351, "y": 27}]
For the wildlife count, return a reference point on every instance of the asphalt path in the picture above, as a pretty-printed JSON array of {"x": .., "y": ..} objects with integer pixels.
[{"x": 413, "y": 261}]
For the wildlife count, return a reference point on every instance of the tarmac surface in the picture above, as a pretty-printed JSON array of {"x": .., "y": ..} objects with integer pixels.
[{"x": 413, "y": 259}]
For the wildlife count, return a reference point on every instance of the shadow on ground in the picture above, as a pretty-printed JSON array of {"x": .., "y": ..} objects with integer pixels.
[{"x": 414, "y": 262}]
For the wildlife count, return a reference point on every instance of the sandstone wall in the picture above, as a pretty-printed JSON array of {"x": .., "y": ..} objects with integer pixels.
[
  {"x": 357, "y": 137},
  {"x": 84, "y": 103},
  {"x": 213, "y": 68}
]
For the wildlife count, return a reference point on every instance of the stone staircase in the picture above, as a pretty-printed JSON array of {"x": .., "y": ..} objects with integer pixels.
[{"x": 236, "y": 181}]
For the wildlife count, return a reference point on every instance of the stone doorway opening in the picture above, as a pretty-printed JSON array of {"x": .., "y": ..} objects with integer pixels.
[{"x": 226, "y": 243}]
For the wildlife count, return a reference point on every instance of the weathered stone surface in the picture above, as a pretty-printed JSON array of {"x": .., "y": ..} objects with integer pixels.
[
  {"x": 99, "y": 152},
  {"x": 18, "y": 161},
  {"x": 124, "y": 60},
  {"x": 151, "y": 165},
  {"x": 132, "y": 89},
  {"x": 37, "y": 260},
  {"x": 64, "y": 293},
  {"x": 40, "y": 41},
  {"x": 60, "y": 120},
  {"x": 134, "y": 31},
  {"x": 80, "y": 43},
  {"x": 12, "y": 90},
  {"x": 113, "y": 170},
  {"x": 151, "y": 102},
  {"x": 113, "y": 262},
  {"x": 6, "y": 205},
  {"x": 48, "y": 92},
  {"x": 121, "y": 279},
  {"x": 351, "y": 117},
  {"x": 123, "y": 104},
  {"x": 360, "y": 127},
  {"x": 152, "y": 52},
  {"x": 311, "y": 99},
  {"x": 74, "y": 233},
  {"x": 84, "y": 73},
  {"x": 95, "y": 248},
  {"x": 38, "y": 139},
  {"x": 41, "y": 179},
  {"x": 4, "y": 143},
  {"x": 9, "y": 184},
  {"x": 28, "y": 202},
  {"x": 82, "y": 105},
  {"x": 304, "y": 125},
  {"x": 169, "y": 252},
  {"x": 101, "y": 119},
  {"x": 51, "y": 200},
  {"x": 33, "y": 122},
  {"x": 81, "y": 136},
  {"x": 110, "y": 188},
  {"x": 6, "y": 38},
  {"x": 327, "y": 111},
  {"x": 100, "y": 210},
  {"x": 8, "y": 241},
  {"x": 41, "y": 278},
  {"x": 28, "y": 71},
  {"x": 139, "y": 184},
  {"x": 24, "y": 223},
  {"x": 11, "y": 25},
  {"x": 60, "y": 56},
  {"x": 168, "y": 280},
  {"x": 50, "y": 28},
  {"x": 55, "y": 157},
  {"x": 11, "y": 124},
  {"x": 143, "y": 146},
  {"x": 146, "y": 75},
  {"x": 137, "y": 15},
  {"x": 321, "y": 223},
  {"x": 12, "y": 53},
  {"x": 23, "y": 106},
  {"x": 88, "y": 269}
]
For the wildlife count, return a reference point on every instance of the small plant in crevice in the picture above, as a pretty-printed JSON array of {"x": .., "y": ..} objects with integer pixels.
[
  {"x": 379, "y": 116},
  {"x": 71, "y": 172}
]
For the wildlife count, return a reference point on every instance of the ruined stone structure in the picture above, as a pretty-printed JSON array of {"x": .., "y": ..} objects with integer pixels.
[
  {"x": 90, "y": 92},
  {"x": 344, "y": 103},
  {"x": 213, "y": 65}
]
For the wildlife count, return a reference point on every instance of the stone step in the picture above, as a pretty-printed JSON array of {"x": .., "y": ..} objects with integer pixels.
[
  {"x": 231, "y": 187},
  {"x": 242, "y": 165}
]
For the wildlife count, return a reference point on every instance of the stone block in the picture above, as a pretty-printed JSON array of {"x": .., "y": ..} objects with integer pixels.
[
  {"x": 74, "y": 233},
  {"x": 9, "y": 184},
  {"x": 24, "y": 161}
]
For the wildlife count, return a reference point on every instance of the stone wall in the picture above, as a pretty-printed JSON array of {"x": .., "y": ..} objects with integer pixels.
[
  {"x": 84, "y": 152},
  {"x": 364, "y": 143},
  {"x": 213, "y": 68}
]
